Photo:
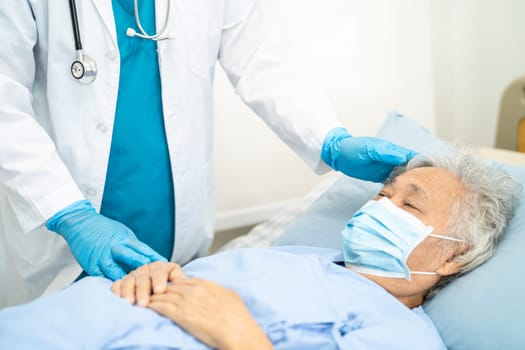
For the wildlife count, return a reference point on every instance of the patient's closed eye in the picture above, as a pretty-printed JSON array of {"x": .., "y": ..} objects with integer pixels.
[{"x": 411, "y": 206}]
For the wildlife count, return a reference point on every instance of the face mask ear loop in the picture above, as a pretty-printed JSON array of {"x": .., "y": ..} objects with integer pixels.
[
  {"x": 425, "y": 273},
  {"x": 447, "y": 238}
]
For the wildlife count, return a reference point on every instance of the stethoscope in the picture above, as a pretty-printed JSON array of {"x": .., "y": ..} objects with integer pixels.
[{"x": 84, "y": 68}]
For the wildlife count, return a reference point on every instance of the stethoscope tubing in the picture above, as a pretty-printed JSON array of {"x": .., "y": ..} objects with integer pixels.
[{"x": 74, "y": 22}]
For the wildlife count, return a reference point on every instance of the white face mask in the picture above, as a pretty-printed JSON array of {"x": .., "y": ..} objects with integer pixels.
[{"x": 380, "y": 237}]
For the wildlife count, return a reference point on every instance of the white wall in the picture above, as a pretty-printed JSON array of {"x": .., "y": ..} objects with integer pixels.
[
  {"x": 479, "y": 48},
  {"x": 369, "y": 57}
]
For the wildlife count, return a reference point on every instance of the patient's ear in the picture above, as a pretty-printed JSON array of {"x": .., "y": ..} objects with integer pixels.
[{"x": 452, "y": 265}]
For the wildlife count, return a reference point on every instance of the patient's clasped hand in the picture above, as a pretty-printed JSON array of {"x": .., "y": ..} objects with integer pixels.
[{"x": 432, "y": 221}]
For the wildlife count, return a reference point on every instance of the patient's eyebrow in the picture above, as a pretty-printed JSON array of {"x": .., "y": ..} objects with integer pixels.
[{"x": 415, "y": 189}]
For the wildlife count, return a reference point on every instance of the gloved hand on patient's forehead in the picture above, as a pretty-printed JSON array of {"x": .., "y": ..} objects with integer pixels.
[
  {"x": 365, "y": 158},
  {"x": 102, "y": 247}
]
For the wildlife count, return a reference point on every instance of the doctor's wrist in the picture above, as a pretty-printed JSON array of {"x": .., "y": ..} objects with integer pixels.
[
  {"x": 331, "y": 146},
  {"x": 81, "y": 207}
]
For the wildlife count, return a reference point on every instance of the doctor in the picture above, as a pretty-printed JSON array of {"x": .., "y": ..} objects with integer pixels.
[{"x": 106, "y": 119}]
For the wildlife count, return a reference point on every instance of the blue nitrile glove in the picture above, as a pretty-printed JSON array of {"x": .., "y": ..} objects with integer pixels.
[
  {"x": 365, "y": 158},
  {"x": 103, "y": 247}
]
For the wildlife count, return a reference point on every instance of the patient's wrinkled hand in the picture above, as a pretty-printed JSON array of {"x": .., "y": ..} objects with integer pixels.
[
  {"x": 214, "y": 314},
  {"x": 140, "y": 284}
]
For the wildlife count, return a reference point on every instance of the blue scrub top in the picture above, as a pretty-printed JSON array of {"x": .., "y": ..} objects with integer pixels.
[{"x": 139, "y": 189}]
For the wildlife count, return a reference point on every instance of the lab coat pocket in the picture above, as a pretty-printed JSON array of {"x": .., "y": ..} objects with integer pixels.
[
  {"x": 195, "y": 16},
  {"x": 31, "y": 248}
]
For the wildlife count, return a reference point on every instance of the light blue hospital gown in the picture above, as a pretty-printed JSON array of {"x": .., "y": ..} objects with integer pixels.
[{"x": 298, "y": 295}]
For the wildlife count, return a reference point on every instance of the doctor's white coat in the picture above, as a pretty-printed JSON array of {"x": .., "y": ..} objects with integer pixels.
[{"x": 55, "y": 134}]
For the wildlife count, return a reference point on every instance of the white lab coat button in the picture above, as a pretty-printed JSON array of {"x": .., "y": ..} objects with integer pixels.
[
  {"x": 91, "y": 192},
  {"x": 102, "y": 127},
  {"x": 111, "y": 55}
]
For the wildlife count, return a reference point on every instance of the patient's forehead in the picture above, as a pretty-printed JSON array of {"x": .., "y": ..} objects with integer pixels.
[{"x": 429, "y": 183}]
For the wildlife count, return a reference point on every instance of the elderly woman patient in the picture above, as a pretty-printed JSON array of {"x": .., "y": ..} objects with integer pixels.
[{"x": 432, "y": 221}]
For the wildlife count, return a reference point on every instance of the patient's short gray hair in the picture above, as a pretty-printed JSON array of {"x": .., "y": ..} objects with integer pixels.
[{"x": 481, "y": 215}]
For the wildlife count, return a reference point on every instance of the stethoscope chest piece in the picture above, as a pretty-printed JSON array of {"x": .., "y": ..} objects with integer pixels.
[{"x": 84, "y": 69}]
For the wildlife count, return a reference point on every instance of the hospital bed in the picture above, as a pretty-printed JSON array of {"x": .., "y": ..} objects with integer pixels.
[{"x": 481, "y": 310}]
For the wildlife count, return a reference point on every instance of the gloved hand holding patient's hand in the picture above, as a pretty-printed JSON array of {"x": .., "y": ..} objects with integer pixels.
[
  {"x": 140, "y": 284},
  {"x": 102, "y": 247},
  {"x": 365, "y": 158}
]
